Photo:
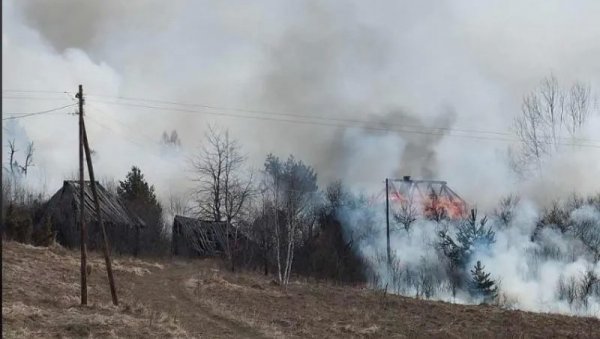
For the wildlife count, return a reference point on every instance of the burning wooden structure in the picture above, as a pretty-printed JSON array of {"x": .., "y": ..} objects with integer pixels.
[
  {"x": 122, "y": 226},
  {"x": 429, "y": 198}
]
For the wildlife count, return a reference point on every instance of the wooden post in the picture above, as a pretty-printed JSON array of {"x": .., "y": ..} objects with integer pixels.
[
  {"x": 387, "y": 219},
  {"x": 105, "y": 248},
  {"x": 82, "y": 227}
]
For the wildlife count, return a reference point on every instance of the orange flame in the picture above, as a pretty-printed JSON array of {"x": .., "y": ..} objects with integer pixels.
[{"x": 430, "y": 206}]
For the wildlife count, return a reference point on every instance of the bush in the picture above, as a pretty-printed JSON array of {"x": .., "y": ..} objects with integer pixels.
[
  {"x": 577, "y": 292},
  {"x": 18, "y": 224},
  {"x": 44, "y": 236}
]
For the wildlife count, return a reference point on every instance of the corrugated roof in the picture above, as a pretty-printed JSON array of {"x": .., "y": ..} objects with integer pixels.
[
  {"x": 112, "y": 208},
  {"x": 206, "y": 237}
]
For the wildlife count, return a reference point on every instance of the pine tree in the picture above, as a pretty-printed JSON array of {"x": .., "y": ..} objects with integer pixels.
[
  {"x": 482, "y": 285},
  {"x": 135, "y": 188},
  {"x": 469, "y": 235},
  {"x": 140, "y": 198}
]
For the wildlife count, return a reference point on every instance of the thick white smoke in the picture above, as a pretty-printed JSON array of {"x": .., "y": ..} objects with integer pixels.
[
  {"x": 530, "y": 272},
  {"x": 398, "y": 63},
  {"x": 401, "y": 65}
]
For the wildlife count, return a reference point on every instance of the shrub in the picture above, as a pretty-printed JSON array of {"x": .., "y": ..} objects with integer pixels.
[{"x": 44, "y": 236}]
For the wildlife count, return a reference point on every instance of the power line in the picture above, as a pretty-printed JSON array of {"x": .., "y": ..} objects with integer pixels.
[
  {"x": 344, "y": 120},
  {"x": 306, "y": 119},
  {"x": 32, "y": 91},
  {"x": 29, "y": 98},
  {"x": 309, "y": 122},
  {"x": 296, "y": 115},
  {"x": 97, "y": 122},
  {"x": 96, "y": 109},
  {"x": 25, "y": 115},
  {"x": 127, "y": 138},
  {"x": 167, "y": 109}
]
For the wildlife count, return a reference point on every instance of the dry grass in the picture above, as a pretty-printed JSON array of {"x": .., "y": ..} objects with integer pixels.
[{"x": 200, "y": 299}]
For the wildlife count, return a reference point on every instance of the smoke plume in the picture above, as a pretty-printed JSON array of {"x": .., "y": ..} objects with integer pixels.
[{"x": 360, "y": 91}]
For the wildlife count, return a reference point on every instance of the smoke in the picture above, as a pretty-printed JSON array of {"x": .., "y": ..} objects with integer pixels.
[
  {"x": 429, "y": 66},
  {"x": 361, "y": 91},
  {"x": 538, "y": 274}
]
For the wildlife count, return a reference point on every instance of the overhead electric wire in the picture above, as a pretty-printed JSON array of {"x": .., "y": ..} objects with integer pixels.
[
  {"x": 305, "y": 119},
  {"x": 25, "y": 115},
  {"x": 345, "y": 120},
  {"x": 125, "y": 137},
  {"x": 296, "y": 115},
  {"x": 30, "y": 98},
  {"x": 309, "y": 122},
  {"x": 97, "y": 122},
  {"x": 32, "y": 91},
  {"x": 98, "y": 110}
]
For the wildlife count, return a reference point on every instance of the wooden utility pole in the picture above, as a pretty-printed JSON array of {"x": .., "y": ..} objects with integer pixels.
[
  {"x": 387, "y": 219},
  {"x": 106, "y": 248},
  {"x": 82, "y": 227}
]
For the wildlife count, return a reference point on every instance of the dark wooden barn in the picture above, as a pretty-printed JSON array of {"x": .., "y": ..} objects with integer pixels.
[
  {"x": 194, "y": 237},
  {"x": 122, "y": 226}
]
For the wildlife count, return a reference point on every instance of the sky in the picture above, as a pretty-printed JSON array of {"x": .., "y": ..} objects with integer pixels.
[{"x": 358, "y": 90}]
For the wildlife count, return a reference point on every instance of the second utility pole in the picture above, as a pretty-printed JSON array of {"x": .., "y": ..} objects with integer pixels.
[{"x": 387, "y": 219}]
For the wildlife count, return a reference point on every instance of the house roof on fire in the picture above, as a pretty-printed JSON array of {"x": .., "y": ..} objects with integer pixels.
[{"x": 112, "y": 208}]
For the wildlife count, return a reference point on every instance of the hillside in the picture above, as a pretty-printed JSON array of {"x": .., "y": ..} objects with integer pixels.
[{"x": 40, "y": 298}]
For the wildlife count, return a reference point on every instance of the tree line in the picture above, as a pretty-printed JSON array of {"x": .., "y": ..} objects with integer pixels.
[{"x": 296, "y": 227}]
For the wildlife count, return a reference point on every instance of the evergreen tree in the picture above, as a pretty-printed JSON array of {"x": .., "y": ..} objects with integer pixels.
[
  {"x": 140, "y": 198},
  {"x": 482, "y": 285},
  {"x": 470, "y": 233},
  {"x": 135, "y": 188}
]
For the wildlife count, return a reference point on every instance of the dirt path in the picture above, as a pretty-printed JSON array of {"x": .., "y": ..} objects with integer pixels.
[{"x": 165, "y": 289}]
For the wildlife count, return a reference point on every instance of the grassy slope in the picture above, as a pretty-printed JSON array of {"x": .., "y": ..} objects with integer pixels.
[{"x": 40, "y": 298}]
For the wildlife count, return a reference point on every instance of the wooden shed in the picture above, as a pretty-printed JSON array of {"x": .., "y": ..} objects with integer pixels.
[
  {"x": 122, "y": 226},
  {"x": 194, "y": 237}
]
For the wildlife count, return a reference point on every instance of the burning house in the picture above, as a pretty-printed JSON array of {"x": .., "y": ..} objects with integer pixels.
[
  {"x": 433, "y": 199},
  {"x": 122, "y": 226}
]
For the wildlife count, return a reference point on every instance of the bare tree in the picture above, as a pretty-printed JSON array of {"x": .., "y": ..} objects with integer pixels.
[
  {"x": 549, "y": 115},
  {"x": 407, "y": 213},
  {"x": 292, "y": 185},
  {"x": 14, "y": 164},
  {"x": 178, "y": 205},
  {"x": 12, "y": 150},
  {"x": 222, "y": 191},
  {"x": 171, "y": 139},
  {"x": 28, "y": 159},
  {"x": 261, "y": 228},
  {"x": 506, "y": 209},
  {"x": 110, "y": 184},
  {"x": 578, "y": 107}
]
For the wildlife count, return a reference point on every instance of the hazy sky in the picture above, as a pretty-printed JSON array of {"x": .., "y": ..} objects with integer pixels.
[{"x": 403, "y": 65}]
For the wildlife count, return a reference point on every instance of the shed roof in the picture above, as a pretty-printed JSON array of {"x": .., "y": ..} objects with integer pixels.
[
  {"x": 112, "y": 208},
  {"x": 206, "y": 237}
]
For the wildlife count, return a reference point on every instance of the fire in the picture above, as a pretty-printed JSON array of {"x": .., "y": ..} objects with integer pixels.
[
  {"x": 428, "y": 198},
  {"x": 453, "y": 209},
  {"x": 429, "y": 206}
]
